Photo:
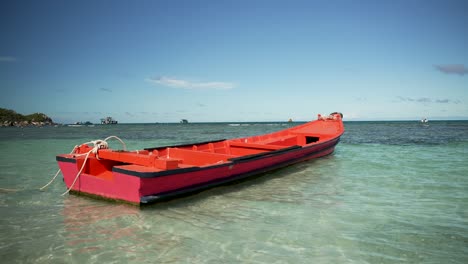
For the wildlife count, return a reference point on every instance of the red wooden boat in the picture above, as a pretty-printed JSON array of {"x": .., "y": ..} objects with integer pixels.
[{"x": 158, "y": 173}]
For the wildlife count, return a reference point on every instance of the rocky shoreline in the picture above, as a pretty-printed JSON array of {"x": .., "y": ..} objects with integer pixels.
[{"x": 26, "y": 124}]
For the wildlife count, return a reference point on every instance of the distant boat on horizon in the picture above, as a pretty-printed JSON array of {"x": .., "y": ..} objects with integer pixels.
[
  {"x": 79, "y": 124},
  {"x": 108, "y": 121},
  {"x": 184, "y": 121},
  {"x": 424, "y": 120}
]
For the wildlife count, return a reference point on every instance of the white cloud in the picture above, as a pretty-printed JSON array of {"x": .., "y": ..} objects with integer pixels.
[
  {"x": 7, "y": 59},
  {"x": 184, "y": 84}
]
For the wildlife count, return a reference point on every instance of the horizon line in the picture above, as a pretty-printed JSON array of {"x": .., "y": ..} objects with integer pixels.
[{"x": 244, "y": 122}]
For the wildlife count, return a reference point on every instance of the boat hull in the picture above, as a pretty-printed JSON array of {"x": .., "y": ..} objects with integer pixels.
[
  {"x": 226, "y": 174},
  {"x": 163, "y": 173},
  {"x": 134, "y": 187}
]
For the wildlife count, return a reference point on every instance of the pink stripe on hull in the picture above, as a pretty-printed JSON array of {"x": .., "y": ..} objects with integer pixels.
[{"x": 120, "y": 187}]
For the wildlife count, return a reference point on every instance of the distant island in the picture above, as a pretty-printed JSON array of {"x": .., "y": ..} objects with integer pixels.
[{"x": 11, "y": 118}]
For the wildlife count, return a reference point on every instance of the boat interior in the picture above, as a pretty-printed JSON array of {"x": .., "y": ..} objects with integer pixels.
[{"x": 205, "y": 153}]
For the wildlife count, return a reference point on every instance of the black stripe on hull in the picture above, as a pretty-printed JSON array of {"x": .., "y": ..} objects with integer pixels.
[
  {"x": 63, "y": 159},
  {"x": 208, "y": 185}
]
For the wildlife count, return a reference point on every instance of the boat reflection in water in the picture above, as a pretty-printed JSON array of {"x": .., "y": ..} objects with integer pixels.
[
  {"x": 108, "y": 232},
  {"x": 89, "y": 225}
]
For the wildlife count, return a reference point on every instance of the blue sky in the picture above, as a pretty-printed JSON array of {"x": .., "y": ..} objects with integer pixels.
[{"x": 161, "y": 61}]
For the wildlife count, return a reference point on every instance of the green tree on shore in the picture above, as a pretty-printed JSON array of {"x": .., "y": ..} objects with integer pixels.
[{"x": 7, "y": 115}]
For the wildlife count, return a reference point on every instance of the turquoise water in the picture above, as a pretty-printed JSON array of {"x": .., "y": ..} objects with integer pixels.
[{"x": 393, "y": 192}]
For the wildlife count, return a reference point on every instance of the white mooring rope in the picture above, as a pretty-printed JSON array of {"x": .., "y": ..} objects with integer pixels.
[
  {"x": 97, "y": 144},
  {"x": 56, "y": 174}
]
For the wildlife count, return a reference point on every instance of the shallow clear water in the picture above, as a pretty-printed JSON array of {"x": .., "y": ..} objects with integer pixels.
[{"x": 393, "y": 192}]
